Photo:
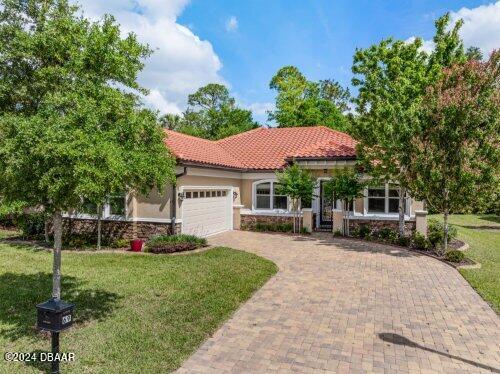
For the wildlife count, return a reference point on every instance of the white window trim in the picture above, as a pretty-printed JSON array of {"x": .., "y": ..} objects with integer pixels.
[
  {"x": 386, "y": 212},
  {"x": 264, "y": 210},
  {"x": 105, "y": 212}
]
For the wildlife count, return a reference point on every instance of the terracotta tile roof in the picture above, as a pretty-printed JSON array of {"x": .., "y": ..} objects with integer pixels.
[
  {"x": 201, "y": 151},
  {"x": 263, "y": 148}
]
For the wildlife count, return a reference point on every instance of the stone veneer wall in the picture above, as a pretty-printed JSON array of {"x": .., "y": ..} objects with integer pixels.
[
  {"x": 114, "y": 229},
  {"x": 379, "y": 224},
  {"x": 248, "y": 221}
]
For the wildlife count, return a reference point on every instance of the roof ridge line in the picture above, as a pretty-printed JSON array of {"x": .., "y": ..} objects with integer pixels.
[
  {"x": 191, "y": 136},
  {"x": 240, "y": 134}
]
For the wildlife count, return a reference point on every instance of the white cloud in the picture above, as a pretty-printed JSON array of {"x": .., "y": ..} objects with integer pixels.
[
  {"x": 260, "y": 109},
  {"x": 427, "y": 45},
  {"x": 181, "y": 62},
  {"x": 481, "y": 28},
  {"x": 232, "y": 24}
]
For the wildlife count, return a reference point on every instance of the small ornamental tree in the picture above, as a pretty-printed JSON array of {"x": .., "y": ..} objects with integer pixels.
[
  {"x": 298, "y": 185},
  {"x": 71, "y": 125},
  {"x": 391, "y": 78},
  {"x": 457, "y": 158},
  {"x": 345, "y": 185}
]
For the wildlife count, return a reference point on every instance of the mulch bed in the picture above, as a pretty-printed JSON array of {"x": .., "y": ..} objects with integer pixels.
[
  {"x": 455, "y": 244},
  {"x": 458, "y": 245}
]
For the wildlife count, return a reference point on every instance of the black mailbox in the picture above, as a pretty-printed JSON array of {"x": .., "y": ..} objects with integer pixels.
[{"x": 54, "y": 315}]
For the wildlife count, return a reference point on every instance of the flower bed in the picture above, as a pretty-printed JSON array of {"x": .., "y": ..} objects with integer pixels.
[
  {"x": 432, "y": 244},
  {"x": 174, "y": 243}
]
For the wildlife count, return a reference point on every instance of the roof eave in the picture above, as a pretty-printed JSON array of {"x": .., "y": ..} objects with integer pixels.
[{"x": 339, "y": 158}]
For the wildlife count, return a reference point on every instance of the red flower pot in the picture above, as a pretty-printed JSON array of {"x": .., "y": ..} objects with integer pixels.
[{"x": 136, "y": 245}]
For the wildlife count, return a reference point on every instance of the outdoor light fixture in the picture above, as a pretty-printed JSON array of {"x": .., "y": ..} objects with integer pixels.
[
  {"x": 55, "y": 316},
  {"x": 235, "y": 195},
  {"x": 181, "y": 196}
]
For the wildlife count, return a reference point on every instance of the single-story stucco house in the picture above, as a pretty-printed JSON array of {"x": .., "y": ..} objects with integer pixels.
[{"x": 230, "y": 184}]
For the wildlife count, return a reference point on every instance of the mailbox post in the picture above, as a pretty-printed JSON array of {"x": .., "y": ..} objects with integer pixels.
[{"x": 55, "y": 316}]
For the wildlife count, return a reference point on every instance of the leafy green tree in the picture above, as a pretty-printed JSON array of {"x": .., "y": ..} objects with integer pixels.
[
  {"x": 212, "y": 114},
  {"x": 71, "y": 124},
  {"x": 300, "y": 102},
  {"x": 171, "y": 121},
  {"x": 474, "y": 53},
  {"x": 456, "y": 162},
  {"x": 298, "y": 185},
  {"x": 392, "y": 77},
  {"x": 345, "y": 185}
]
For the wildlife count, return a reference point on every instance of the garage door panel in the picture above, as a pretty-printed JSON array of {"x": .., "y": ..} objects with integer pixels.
[{"x": 204, "y": 216}]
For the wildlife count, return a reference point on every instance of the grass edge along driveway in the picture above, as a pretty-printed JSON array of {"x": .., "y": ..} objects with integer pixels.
[
  {"x": 134, "y": 313},
  {"x": 482, "y": 233}
]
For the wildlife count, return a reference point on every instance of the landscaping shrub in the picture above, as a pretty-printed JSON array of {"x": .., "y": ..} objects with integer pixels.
[
  {"x": 77, "y": 240},
  {"x": 271, "y": 227},
  {"x": 364, "y": 231},
  {"x": 337, "y": 233},
  {"x": 8, "y": 220},
  {"x": 260, "y": 227},
  {"x": 435, "y": 232},
  {"x": 419, "y": 241},
  {"x": 355, "y": 233},
  {"x": 387, "y": 234},
  {"x": 284, "y": 227},
  {"x": 32, "y": 225},
  {"x": 304, "y": 230},
  {"x": 174, "y": 243},
  {"x": 454, "y": 255},
  {"x": 120, "y": 243},
  {"x": 403, "y": 241}
]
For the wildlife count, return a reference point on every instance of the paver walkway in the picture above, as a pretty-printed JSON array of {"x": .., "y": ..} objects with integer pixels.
[{"x": 338, "y": 305}]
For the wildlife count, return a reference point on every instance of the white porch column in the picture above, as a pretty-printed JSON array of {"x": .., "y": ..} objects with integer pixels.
[
  {"x": 421, "y": 222},
  {"x": 307, "y": 219},
  {"x": 237, "y": 217},
  {"x": 338, "y": 219}
]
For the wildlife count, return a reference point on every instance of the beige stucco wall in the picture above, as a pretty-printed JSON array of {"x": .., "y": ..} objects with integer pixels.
[
  {"x": 158, "y": 206},
  {"x": 154, "y": 205},
  {"x": 416, "y": 205},
  {"x": 246, "y": 193}
]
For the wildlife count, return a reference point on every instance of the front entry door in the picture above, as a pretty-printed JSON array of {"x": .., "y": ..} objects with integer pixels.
[{"x": 325, "y": 207}]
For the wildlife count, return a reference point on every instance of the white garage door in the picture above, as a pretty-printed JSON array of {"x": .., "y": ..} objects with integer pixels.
[{"x": 206, "y": 211}]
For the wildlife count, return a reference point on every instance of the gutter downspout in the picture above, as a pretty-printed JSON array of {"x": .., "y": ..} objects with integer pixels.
[{"x": 173, "y": 201}]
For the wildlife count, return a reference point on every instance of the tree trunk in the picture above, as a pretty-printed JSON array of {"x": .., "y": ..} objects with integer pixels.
[
  {"x": 56, "y": 270},
  {"x": 446, "y": 213},
  {"x": 299, "y": 212},
  {"x": 46, "y": 229},
  {"x": 401, "y": 210},
  {"x": 347, "y": 227},
  {"x": 99, "y": 234}
]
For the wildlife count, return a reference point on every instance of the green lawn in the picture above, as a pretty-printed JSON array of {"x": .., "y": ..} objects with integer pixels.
[
  {"x": 484, "y": 245},
  {"x": 134, "y": 313}
]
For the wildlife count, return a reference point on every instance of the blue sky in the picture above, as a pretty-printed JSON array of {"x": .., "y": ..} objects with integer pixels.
[{"x": 243, "y": 43}]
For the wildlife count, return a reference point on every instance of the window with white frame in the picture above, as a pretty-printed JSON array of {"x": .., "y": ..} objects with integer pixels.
[
  {"x": 266, "y": 196},
  {"x": 384, "y": 199},
  {"x": 115, "y": 206}
]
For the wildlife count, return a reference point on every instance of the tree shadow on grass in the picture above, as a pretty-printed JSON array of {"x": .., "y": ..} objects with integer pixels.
[
  {"x": 28, "y": 245},
  {"x": 490, "y": 218},
  {"x": 401, "y": 340},
  {"x": 19, "y": 294}
]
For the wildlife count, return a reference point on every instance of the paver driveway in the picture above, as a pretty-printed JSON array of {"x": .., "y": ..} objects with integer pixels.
[{"x": 348, "y": 306}]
